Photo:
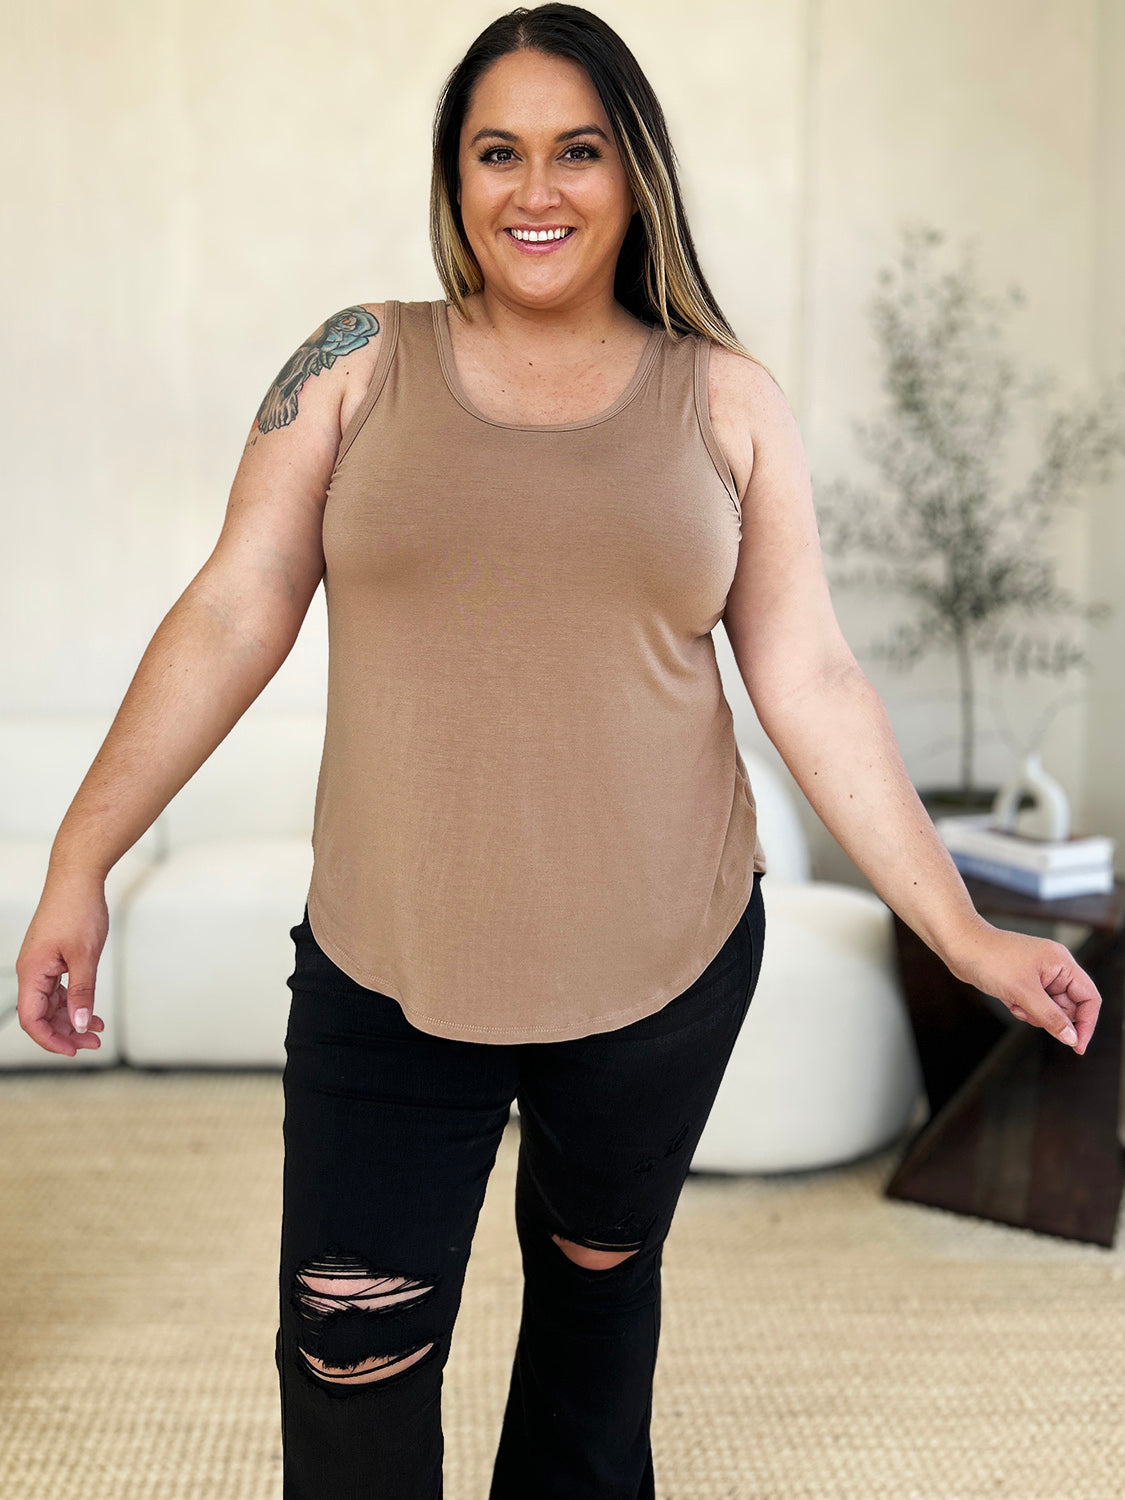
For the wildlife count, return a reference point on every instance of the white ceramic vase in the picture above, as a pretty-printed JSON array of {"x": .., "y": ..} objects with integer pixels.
[{"x": 1048, "y": 818}]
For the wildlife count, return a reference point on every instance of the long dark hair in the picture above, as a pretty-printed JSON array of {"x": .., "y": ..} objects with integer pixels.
[{"x": 658, "y": 277}]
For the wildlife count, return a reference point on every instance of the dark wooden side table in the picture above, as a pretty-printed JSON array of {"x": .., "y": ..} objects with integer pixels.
[{"x": 1022, "y": 1130}]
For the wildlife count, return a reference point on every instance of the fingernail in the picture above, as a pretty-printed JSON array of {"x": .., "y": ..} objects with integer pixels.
[
  {"x": 81, "y": 1020},
  {"x": 1069, "y": 1036}
]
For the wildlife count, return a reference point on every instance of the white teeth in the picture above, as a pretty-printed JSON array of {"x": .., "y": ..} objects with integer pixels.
[{"x": 539, "y": 234}]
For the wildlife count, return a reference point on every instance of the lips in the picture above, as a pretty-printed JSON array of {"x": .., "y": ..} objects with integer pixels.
[
  {"x": 540, "y": 232},
  {"x": 538, "y": 246}
]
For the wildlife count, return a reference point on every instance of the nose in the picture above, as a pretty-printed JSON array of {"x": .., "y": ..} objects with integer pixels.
[{"x": 537, "y": 189}]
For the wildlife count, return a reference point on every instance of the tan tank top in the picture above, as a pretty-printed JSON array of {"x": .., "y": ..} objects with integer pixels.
[{"x": 532, "y": 819}]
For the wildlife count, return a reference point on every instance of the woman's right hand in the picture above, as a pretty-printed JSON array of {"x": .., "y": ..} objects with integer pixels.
[{"x": 66, "y": 937}]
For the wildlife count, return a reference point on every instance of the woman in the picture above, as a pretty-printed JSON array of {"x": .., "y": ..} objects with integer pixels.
[{"x": 537, "y": 873}]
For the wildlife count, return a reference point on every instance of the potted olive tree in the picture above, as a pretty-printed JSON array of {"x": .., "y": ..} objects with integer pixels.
[{"x": 940, "y": 529}]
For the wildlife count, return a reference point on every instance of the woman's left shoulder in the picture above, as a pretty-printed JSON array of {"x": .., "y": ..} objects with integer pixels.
[
  {"x": 740, "y": 381},
  {"x": 744, "y": 401},
  {"x": 744, "y": 396}
]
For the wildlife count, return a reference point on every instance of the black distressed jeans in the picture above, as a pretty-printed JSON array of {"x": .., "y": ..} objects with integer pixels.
[{"x": 390, "y": 1134}]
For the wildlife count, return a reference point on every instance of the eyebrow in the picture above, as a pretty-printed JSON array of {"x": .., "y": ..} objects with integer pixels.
[{"x": 563, "y": 135}]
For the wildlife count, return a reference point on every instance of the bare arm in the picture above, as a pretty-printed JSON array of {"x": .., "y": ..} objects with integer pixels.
[
  {"x": 833, "y": 732},
  {"x": 211, "y": 656}
]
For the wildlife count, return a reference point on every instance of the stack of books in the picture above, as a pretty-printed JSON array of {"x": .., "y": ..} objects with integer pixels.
[{"x": 1048, "y": 870}]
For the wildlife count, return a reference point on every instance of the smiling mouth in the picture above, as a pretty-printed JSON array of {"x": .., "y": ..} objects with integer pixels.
[{"x": 540, "y": 237}]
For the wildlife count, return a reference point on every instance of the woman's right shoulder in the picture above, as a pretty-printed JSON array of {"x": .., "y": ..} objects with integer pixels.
[
  {"x": 362, "y": 325},
  {"x": 348, "y": 343},
  {"x": 362, "y": 320},
  {"x": 353, "y": 335},
  {"x": 342, "y": 351}
]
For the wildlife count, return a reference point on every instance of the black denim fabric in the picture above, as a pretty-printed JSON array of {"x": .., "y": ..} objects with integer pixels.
[{"x": 390, "y": 1134}]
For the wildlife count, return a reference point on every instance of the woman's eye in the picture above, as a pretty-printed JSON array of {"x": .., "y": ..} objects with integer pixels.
[{"x": 501, "y": 155}]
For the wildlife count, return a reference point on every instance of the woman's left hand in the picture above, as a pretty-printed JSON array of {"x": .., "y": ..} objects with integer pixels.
[{"x": 1037, "y": 979}]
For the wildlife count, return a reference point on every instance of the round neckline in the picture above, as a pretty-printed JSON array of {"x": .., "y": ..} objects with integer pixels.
[{"x": 459, "y": 394}]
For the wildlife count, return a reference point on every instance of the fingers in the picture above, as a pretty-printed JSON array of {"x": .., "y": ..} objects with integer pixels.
[
  {"x": 1066, "y": 1005},
  {"x": 69, "y": 1022},
  {"x": 40, "y": 1000},
  {"x": 1083, "y": 992},
  {"x": 1043, "y": 1012},
  {"x": 1086, "y": 1021},
  {"x": 1082, "y": 1016},
  {"x": 46, "y": 1012},
  {"x": 80, "y": 997},
  {"x": 1055, "y": 1020},
  {"x": 1066, "y": 1034},
  {"x": 1076, "y": 992},
  {"x": 1040, "y": 983}
]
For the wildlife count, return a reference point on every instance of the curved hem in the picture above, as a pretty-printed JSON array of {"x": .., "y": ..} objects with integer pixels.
[{"x": 508, "y": 1036}]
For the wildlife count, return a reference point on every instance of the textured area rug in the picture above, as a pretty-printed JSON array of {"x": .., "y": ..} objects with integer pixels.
[{"x": 817, "y": 1339}]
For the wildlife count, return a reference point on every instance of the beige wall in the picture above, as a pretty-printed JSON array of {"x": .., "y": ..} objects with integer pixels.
[
  {"x": 1106, "y": 728},
  {"x": 191, "y": 189}
]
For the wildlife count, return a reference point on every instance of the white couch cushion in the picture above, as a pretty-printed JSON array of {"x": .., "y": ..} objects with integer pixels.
[
  {"x": 207, "y": 954},
  {"x": 261, "y": 780},
  {"x": 825, "y": 1068}
]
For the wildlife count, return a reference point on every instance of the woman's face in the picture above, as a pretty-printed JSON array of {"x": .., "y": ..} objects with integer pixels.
[{"x": 537, "y": 153}]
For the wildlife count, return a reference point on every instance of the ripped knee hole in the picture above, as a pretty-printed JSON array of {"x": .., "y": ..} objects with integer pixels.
[
  {"x": 593, "y": 1259},
  {"x": 339, "y": 1298}
]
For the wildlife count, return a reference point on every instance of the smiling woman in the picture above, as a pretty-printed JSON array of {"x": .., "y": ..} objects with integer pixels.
[
  {"x": 537, "y": 875},
  {"x": 621, "y": 135},
  {"x": 544, "y": 206}
]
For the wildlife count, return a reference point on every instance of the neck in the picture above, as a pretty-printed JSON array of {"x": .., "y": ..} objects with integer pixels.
[{"x": 555, "y": 330}]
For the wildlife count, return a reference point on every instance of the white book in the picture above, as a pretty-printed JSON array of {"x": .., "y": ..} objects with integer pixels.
[
  {"x": 976, "y": 835},
  {"x": 1046, "y": 885}
]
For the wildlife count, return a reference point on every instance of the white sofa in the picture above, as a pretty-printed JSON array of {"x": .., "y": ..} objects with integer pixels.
[
  {"x": 206, "y": 946},
  {"x": 43, "y": 758},
  {"x": 825, "y": 1069}
]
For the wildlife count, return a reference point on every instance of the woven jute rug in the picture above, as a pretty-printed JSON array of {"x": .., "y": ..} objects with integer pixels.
[{"x": 818, "y": 1340}]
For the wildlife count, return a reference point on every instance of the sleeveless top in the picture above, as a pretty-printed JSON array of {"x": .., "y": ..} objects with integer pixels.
[{"x": 532, "y": 819}]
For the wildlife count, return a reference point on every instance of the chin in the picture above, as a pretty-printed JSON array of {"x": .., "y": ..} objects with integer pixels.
[
  {"x": 541, "y": 296},
  {"x": 537, "y": 292}
]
